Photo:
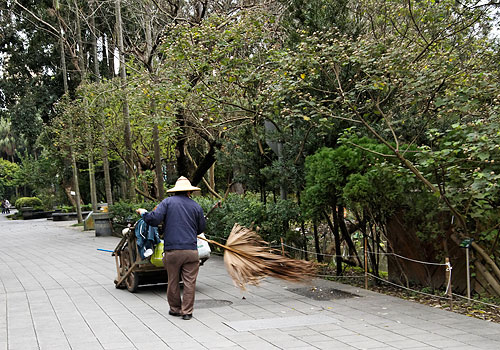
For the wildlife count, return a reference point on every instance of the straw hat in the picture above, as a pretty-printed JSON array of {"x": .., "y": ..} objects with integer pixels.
[{"x": 183, "y": 185}]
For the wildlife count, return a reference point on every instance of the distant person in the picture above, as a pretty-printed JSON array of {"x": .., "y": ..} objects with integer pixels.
[
  {"x": 182, "y": 220},
  {"x": 3, "y": 206},
  {"x": 7, "y": 206}
]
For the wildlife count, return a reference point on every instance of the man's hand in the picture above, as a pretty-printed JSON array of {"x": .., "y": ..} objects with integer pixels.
[{"x": 141, "y": 211}]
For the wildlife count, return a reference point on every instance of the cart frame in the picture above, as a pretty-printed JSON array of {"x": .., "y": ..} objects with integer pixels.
[
  {"x": 129, "y": 265},
  {"x": 130, "y": 268}
]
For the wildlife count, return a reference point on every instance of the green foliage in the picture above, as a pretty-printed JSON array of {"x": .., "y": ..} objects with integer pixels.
[
  {"x": 315, "y": 15},
  {"x": 326, "y": 174},
  {"x": 8, "y": 183},
  {"x": 33, "y": 202},
  {"x": 38, "y": 175},
  {"x": 49, "y": 201},
  {"x": 67, "y": 208},
  {"x": 273, "y": 219},
  {"x": 468, "y": 158},
  {"x": 123, "y": 212}
]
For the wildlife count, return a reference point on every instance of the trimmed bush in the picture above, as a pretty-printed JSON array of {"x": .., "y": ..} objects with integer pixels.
[{"x": 33, "y": 202}]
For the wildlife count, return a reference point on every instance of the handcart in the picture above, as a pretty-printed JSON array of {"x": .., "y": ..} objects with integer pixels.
[{"x": 132, "y": 270}]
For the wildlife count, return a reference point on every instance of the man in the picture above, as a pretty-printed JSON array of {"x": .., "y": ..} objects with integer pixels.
[{"x": 183, "y": 220}]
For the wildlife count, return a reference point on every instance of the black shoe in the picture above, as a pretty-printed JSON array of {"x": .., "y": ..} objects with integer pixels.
[
  {"x": 187, "y": 316},
  {"x": 171, "y": 313}
]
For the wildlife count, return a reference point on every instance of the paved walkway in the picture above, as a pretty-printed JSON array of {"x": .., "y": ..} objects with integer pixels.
[{"x": 57, "y": 292}]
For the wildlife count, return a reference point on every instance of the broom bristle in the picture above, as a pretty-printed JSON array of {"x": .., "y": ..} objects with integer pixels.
[{"x": 249, "y": 259}]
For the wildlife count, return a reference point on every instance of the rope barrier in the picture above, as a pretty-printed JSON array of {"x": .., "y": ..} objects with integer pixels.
[
  {"x": 333, "y": 276},
  {"x": 476, "y": 301},
  {"x": 412, "y": 290},
  {"x": 448, "y": 269},
  {"x": 369, "y": 252},
  {"x": 410, "y": 259}
]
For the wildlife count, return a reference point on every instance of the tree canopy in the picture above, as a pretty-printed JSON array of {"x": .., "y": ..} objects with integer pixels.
[{"x": 358, "y": 113}]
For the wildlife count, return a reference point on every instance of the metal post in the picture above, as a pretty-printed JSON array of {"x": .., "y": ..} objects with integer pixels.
[
  {"x": 468, "y": 272},
  {"x": 366, "y": 263}
]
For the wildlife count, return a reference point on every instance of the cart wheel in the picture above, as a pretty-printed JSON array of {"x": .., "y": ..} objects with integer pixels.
[
  {"x": 132, "y": 281},
  {"x": 121, "y": 285},
  {"x": 121, "y": 273}
]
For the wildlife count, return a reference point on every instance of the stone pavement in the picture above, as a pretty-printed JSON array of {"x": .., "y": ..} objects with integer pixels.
[{"x": 57, "y": 292}]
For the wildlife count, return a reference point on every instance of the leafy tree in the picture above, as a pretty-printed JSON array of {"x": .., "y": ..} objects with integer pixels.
[
  {"x": 412, "y": 67},
  {"x": 8, "y": 184}
]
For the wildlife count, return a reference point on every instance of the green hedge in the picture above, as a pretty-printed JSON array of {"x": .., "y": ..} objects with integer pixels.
[
  {"x": 34, "y": 202},
  {"x": 124, "y": 212},
  {"x": 274, "y": 219}
]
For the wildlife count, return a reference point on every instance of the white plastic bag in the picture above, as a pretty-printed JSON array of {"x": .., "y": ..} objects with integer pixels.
[{"x": 203, "y": 247}]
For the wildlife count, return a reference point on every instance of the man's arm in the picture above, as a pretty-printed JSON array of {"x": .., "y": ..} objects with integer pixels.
[
  {"x": 157, "y": 216},
  {"x": 201, "y": 222}
]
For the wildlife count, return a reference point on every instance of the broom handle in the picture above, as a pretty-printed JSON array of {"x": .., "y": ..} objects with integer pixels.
[{"x": 226, "y": 247}]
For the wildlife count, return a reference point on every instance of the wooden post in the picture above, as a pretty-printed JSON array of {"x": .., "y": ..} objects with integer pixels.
[
  {"x": 282, "y": 247},
  {"x": 366, "y": 262},
  {"x": 448, "y": 281}
]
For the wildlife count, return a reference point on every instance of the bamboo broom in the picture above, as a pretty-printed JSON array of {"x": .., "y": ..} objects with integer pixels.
[{"x": 248, "y": 259}]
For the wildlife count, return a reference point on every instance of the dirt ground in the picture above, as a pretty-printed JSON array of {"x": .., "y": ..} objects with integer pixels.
[{"x": 459, "y": 305}]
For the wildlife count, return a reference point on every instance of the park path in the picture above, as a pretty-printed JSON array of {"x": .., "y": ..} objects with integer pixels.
[{"x": 57, "y": 292}]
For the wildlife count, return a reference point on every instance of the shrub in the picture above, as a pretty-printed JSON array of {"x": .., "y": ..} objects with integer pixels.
[
  {"x": 273, "y": 219},
  {"x": 67, "y": 208},
  {"x": 123, "y": 212},
  {"x": 48, "y": 200},
  {"x": 34, "y": 202},
  {"x": 87, "y": 207}
]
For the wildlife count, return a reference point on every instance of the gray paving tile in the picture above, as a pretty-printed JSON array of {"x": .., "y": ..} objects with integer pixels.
[
  {"x": 332, "y": 344},
  {"x": 407, "y": 344},
  {"x": 257, "y": 345},
  {"x": 47, "y": 298}
]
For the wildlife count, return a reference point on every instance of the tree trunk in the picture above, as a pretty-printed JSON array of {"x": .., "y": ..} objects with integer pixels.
[
  {"x": 492, "y": 282},
  {"x": 83, "y": 77},
  {"x": 81, "y": 58},
  {"x": 95, "y": 59},
  {"x": 180, "y": 152},
  {"x": 487, "y": 258},
  {"x": 160, "y": 193},
  {"x": 158, "y": 163},
  {"x": 211, "y": 176},
  {"x": 346, "y": 235},
  {"x": 334, "y": 227},
  {"x": 204, "y": 165},
  {"x": 93, "y": 189},
  {"x": 319, "y": 256},
  {"x": 105, "y": 166},
  {"x": 127, "y": 134},
  {"x": 71, "y": 150}
]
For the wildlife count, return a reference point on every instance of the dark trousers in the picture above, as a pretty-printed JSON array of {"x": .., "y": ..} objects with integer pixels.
[{"x": 181, "y": 264}]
